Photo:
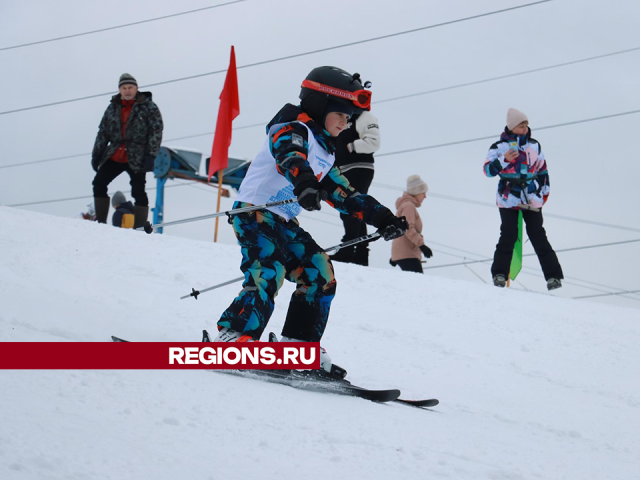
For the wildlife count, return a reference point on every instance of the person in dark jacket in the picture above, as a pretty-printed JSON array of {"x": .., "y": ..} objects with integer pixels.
[
  {"x": 354, "y": 157},
  {"x": 128, "y": 140},
  {"x": 124, "y": 215}
]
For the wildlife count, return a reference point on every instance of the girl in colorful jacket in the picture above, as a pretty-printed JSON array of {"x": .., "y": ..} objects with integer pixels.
[
  {"x": 524, "y": 186},
  {"x": 297, "y": 161}
]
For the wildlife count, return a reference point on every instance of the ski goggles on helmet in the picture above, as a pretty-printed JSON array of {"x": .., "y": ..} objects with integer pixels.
[{"x": 360, "y": 98}]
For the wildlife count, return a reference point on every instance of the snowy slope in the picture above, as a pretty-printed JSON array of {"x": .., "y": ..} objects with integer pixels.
[{"x": 531, "y": 386}]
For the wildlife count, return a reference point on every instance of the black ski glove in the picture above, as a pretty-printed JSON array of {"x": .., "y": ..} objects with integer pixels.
[
  {"x": 309, "y": 193},
  {"x": 393, "y": 227},
  {"x": 95, "y": 162},
  {"x": 149, "y": 162},
  {"x": 426, "y": 251}
]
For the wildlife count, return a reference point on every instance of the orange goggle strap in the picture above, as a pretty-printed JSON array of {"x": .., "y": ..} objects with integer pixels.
[{"x": 360, "y": 98}]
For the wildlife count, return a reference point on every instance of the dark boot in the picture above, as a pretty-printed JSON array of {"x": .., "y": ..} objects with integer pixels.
[
  {"x": 361, "y": 255},
  {"x": 553, "y": 283},
  {"x": 141, "y": 215},
  {"x": 102, "y": 208},
  {"x": 500, "y": 281},
  {"x": 344, "y": 255}
]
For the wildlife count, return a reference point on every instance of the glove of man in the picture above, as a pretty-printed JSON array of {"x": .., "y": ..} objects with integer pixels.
[
  {"x": 393, "y": 227},
  {"x": 426, "y": 251},
  {"x": 149, "y": 162},
  {"x": 95, "y": 162},
  {"x": 310, "y": 193}
]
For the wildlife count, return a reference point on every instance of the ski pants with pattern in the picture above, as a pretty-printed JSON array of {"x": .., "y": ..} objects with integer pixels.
[{"x": 274, "y": 249}]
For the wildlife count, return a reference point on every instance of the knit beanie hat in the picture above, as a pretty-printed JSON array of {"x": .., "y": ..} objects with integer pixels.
[
  {"x": 515, "y": 118},
  {"x": 127, "y": 79},
  {"x": 416, "y": 186},
  {"x": 118, "y": 199}
]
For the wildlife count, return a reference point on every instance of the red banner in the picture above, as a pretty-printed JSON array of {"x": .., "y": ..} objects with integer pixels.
[
  {"x": 229, "y": 109},
  {"x": 159, "y": 355}
]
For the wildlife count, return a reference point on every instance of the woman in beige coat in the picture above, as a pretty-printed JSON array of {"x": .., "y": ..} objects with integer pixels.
[{"x": 407, "y": 251}]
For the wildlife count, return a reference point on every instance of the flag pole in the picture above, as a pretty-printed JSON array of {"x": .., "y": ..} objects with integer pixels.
[{"x": 215, "y": 233}]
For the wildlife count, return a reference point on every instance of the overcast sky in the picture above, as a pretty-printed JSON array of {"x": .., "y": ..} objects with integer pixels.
[{"x": 593, "y": 166}]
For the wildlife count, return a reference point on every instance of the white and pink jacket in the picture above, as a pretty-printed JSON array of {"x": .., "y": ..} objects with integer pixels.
[{"x": 525, "y": 179}]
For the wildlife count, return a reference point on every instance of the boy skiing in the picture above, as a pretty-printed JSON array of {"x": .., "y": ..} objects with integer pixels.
[
  {"x": 296, "y": 161},
  {"x": 524, "y": 186}
]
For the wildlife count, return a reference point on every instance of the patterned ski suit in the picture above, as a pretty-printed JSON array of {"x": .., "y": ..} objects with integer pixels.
[{"x": 273, "y": 244}]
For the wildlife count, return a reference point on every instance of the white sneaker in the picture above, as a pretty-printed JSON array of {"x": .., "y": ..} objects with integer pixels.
[
  {"x": 325, "y": 359},
  {"x": 228, "y": 335}
]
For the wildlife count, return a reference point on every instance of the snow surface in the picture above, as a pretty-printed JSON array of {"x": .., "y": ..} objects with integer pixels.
[{"x": 531, "y": 386}]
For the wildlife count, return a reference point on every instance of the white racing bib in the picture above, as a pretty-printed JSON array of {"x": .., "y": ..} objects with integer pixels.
[{"x": 263, "y": 184}]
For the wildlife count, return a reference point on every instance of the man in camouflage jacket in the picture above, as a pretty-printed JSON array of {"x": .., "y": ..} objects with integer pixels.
[{"x": 128, "y": 140}]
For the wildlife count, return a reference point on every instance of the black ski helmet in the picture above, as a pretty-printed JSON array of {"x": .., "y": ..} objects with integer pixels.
[{"x": 315, "y": 102}]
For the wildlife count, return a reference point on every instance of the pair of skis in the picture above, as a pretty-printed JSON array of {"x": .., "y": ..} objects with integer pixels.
[
  {"x": 317, "y": 380},
  {"x": 320, "y": 381}
]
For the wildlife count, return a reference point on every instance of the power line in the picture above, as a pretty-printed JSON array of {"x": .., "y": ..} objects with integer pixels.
[
  {"x": 264, "y": 62},
  {"x": 461, "y": 85},
  {"x": 44, "y": 161},
  {"x": 571, "y": 281},
  {"x": 465, "y": 263},
  {"x": 118, "y": 26},
  {"x": 398, "y": 152},
  {"x": 502, "y": 77},
  {"x": 389, "y": 100},
  {"x": 459, "y": 142},
  {"x": 573, "y": 62},
  {"x": 493, "y": 205},
  {"x": 58, "y": 200},
  {"x": 89, "y": 153},
  {"x": 537, "y": 274},
  {"x": 390, "y": 187},
  {"x": 531, "y": 254},
  {"x": 607, "y": 294}
]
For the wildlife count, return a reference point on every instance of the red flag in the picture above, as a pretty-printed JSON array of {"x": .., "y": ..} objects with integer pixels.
[{"x": 229, "y": 109}]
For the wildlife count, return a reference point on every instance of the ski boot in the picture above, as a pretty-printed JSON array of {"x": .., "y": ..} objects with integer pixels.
[
  {"x": 326, "y": 365},
  {"x": 500, "y": 280},
  {"x": 227, "y": 335},
  {"x": 553, "y": 283}
]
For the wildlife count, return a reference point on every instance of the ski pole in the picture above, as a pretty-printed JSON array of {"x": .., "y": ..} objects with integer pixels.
[
  {"x": 194, "y": 293},
  {"x": 373, "y": 236},
  {"x": 150, "y": 228},
  {"x": 364, "y": 238}
]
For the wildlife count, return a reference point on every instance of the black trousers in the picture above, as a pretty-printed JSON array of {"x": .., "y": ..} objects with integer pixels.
[
  {"x": 360, "y": 179},
  {"x": 535, "y": 231},
  {"x": 107, "y": 174},
  {"x": 410, "y": 265}
]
